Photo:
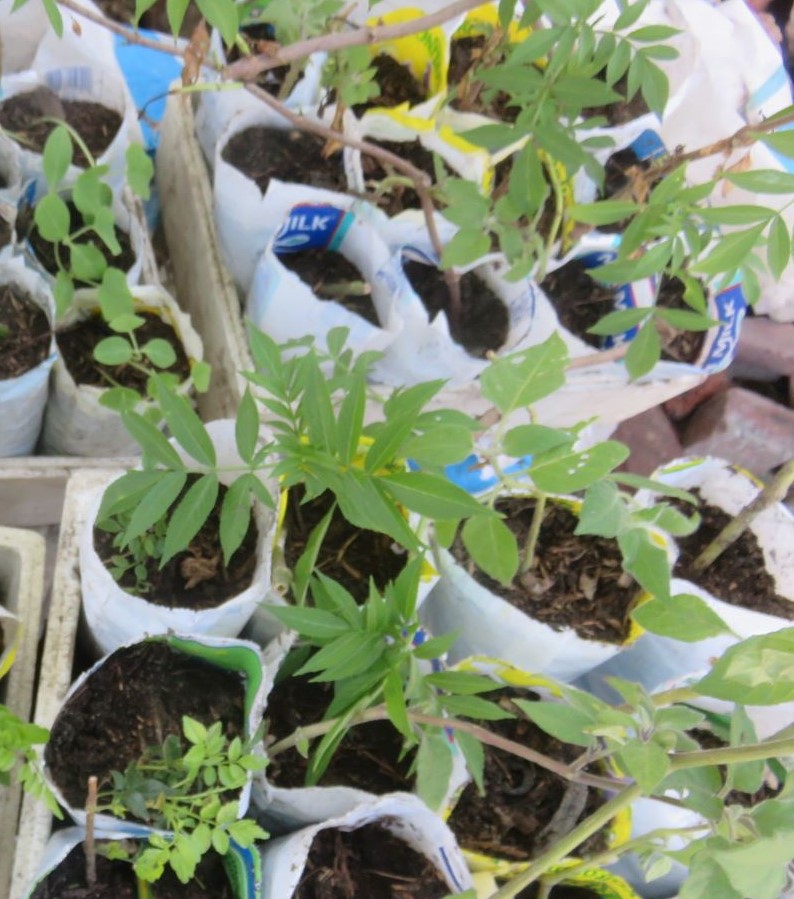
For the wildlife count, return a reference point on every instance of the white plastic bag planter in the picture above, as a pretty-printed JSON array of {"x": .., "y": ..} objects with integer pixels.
[
  {"x": 243, "y": 865},
  {"x": 216, "y": 108},
  {"x": 9, "y": 627},
  {"x": 75, "y": 422},
  {"x": 85, "y": 82},
  {"x": 239, "y": 656},
  {"x": 282, "y": 305},
  {"x": 116, "y": 617},
  {"x": 23, "y": 399},
  {"x": 488, "y": 625},
  {"x": 403, "y": 815},
  {"x": 10, "y": 175},
  {"x": 247, "y": 219}
]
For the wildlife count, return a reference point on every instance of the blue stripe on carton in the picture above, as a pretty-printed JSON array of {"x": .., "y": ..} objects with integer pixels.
[
  {"x": 729, "y": 308},
  {"x": 648, "y": 145},
  {"x": 312, "y": 225}
]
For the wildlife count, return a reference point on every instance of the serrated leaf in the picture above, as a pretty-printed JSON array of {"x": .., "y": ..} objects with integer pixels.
[
  {"x": 560, "y": 721},
  {"x": 647, "y": 763},
  {"x": 602, "y": 512},
  {"x": 683, "y": 617},
  {"x": 190, "y": 515},
  {"x": 466, "y": 246},
  {"x": 492, "y": 546}
]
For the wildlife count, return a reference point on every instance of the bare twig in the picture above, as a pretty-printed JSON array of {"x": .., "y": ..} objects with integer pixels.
[
  {"x": 90, "y": 847},
  {"x": 248, "y": 68}
]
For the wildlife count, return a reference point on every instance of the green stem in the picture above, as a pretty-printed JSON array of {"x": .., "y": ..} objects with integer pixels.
[
  {"x": 774, "y": 492},
  {"x": 565, "y": 846},
  {"x": 534, "y": 533},
  {"x": 731, "y": 755}
]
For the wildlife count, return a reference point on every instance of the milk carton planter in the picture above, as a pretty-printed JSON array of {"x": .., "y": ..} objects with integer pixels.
[
  {"x": 489, "y": 625},
  {"x": 403, "y": 816},
  {"x": 23, "y": 397},
  {"x": 116, "y": 616},
  {"x": 225, "y": 672},
  {"x": 247, "y": 215},
  {"x": 66, "y": 852},
  {"x": 76, "y": 423}
]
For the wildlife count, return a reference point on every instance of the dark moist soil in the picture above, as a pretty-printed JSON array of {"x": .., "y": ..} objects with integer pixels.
[
  {"x": 135, "y": 700},
  {"x": 27, "y": 340},
  {"x": 368, "y": 758},
  {"x": 77, "y": 342},
  {"x": 45, "y": 251},
  {"x": 196, "y": 578},
  {"x": 115, "y": 880},
  {"x": 398, "y": 197},
  {"x": 484, "y": 324},
  {"x": 96, "y": 124},
  {"x": 259, "y": 39},
  {"x": 367, "y": 863},
  {"x": 502, "y": 172},
  {"x": 349, "y": 555},
  {"x": 709, "y": 740},
  {"x": 465, "y": 52},
  {"x": 561, "y": 891},
  {"x": 574, "y": 582},
  {"x": 327, "y": 274},
  {"x": 620, "y": 112},
  {"x": 514, "y": 820},
  {"x": 739, "y": 576},
  {"x": 265, "y": 153},
  {"x": 620, "y": 170},
  {"x": 578, "y": 299},
  {"x": 6, "y": 231},
  {"x": 677, "y": 345},
  {"x": 397, "y": 85}
]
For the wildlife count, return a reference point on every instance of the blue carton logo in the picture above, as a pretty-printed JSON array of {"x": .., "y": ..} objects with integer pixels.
[{"x": 313, "y": 226}]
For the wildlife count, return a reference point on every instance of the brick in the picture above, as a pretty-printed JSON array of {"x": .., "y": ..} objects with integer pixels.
[
  {"x": 743, "y": 427},
  {"x": 651, "y": 438},
  {"x": 765, "y": 345},
  {"x": 683, "y": 405}
]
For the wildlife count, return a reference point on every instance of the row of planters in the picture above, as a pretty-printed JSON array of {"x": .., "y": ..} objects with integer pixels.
[
  {"x": 379, "y": 570},
  {"x": 86, "y": 327}
]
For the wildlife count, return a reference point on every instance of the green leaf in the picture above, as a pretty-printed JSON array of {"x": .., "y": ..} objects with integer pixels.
[
  {"x": 246, "y": 427},
  {"x": 347, "y": 656},
  {"x": 221, "y": 14},
  {"x": 436, "y": 647},
  {"x": 395, "y": 704},
  {"x": 571, "y": 470},
  {"x": 113, "y": 351},
  {"x": 655, "y": 86},
  {"x": 605, "y": 212},
  {"x": 125, "y": 323},
  {"x": 316, "y": 624},
  {"x": 57, "y": 155},
  {"x": 443, "y": 445},
  {"x": 467, "y": 246},
  {"x": 741, "y": 214},
  {"x": 461, "y": 682},
  {"x": 201, "y": 373},
  {"x": 602, "y": 512},
  {"x": 308, "y": 559},
  {"x": 492, "y": 546},
  {"x": 683, "y": 617},
  {"x": 155, "y": 504},
  {"x": 647, "y": 763},
  {"x": 646, "y": 561},
  {"x": 619, "y": 321},
  {"x": 431, "y": 495},
  {"x": 189, "y": 516},
  {"x": 560, "y": 721},
  {"x": 763, "y": 181},
  {"x": 175, "y": 10},
  {"x": 652, "y": 262},
  {"x": 731, "y": 251},
  {"x": 236, "y": 514},
  {"x": 519, "y": 379},
  {"x": 780, "y": 141},
  {"x": 757, "y": 870},
  {"x": 51, "y": 216},
  {"x": 524, "y": 440},
  {"x": 686, "y": 319},
  {"x": 87, "y": 262},
  {"x": 474, "y": 707},
  {"x": 317, "y": 408},
  {"x": 54, "y": 16},
  {"x": 115, "y": 298},
  {"x": 187, "y": 427},
  {"x": 159, "y": 352},
  {"x": 433, "y": 768},
  {"x": 778, "y": 248},
  {"x": 90, "y": 193},
  {"x": 474, "y": 754},
  {"x": 140, "y": 171},
  {"x": 156, "y": 448},
  {"x": 63, "y": 293},
  {"x": 757, "y": 671},
  {"x": 654, "y": 33},
  {"x": 644, "y": 351},
  {"x": 351, "y": 420}
]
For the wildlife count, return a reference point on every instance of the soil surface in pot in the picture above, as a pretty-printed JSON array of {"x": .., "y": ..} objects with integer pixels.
[
  {"x": 525, "y": 808},
  {"x": 398, "y": 197},
  {"x": 739, "y": 575},
  {"x": 397, "y": 85},
  {"x": 368, "y": 862},
  {"x": 288, "y": 155},
  {"x": 467, "y": 92},
  {"x": 621, "y": 111},
  {"x": 115, "y": 880},
  {"x": 561, "y": 891},
  {"x": 501, "y": 185},
  {"x": 368, "y": 757},
  {"x": 77, "y": 342},
  {"x": 575, "y": 582},
  {"x": 578, "y": 299},
  {"x": 333, "y": 277},
  {"x": 677, "y": 345},
  {"x": 768, "y": 790},
  {"x": 45, "y": 251},
  {"x": 349, "y": 555},
  {"x": 24, "y": 332},
  {"x": 134, "y": 701},
  {"x": 484, "y": 324},
  {"x": 259, "y": 39},
  {"x": 196, "y": 578},
  {"x": 21, "y": 116},
  {"x": 6, "y": 231}
]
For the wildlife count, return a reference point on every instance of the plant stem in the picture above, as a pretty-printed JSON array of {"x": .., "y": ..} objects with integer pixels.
[
  {"x": 534, "y": 532},
  {"x": 774, "y": 492},
  {"x": 729, "y": 755},
  {"x": 248, "y": 68},
  {"x": 132, "y": 36},
  {"x": 90, "y": 846},
  {"x": 567, "y": 844}
]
